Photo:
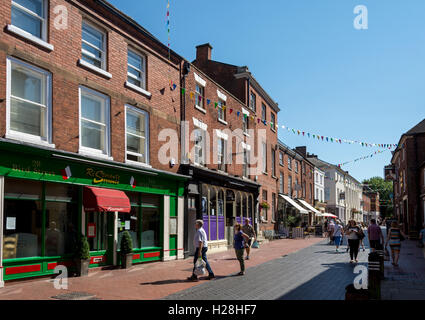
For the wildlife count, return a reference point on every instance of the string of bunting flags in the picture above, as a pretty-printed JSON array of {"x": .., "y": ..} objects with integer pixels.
[{"x": 362, "y": 158}]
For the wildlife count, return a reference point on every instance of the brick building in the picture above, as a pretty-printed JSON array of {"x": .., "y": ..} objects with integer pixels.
[
  {"x": 83, "y": 102},
  {"x": 366, "y": 209},
  {"x": 261, "y": 117},
  {"x": 406, "y": 171}
]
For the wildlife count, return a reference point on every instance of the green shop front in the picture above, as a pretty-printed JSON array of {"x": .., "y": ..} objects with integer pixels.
[{"x": 48, "y": 198}]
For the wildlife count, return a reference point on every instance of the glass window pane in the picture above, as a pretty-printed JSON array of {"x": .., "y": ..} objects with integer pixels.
[
  {"x": 92, "y": 61},
  {"x": 92, "y": 36},
  {"x": 26, "y": 22},
  {"x": 92, "y": 109},
  {"x": 35, "y": 6},
  {"x": 136, "y": 123},
  {"x": 97, "y": 53},
  {"x": 27, "y": 118},
  {"x": 61, "y": 192},
  {"x": 134, "y": 81},
  {"x": 150, "y": 227},
  {"x": 135, "y": 144},
  {"x": 22, "y": 189},
  {"x": 93, "y": 135},
  {"x": 61, "y": 228},
  {"x": 27, "y": 84},
  {"x": 22, "y": 228},
  {"x": 151, "y": 200},
  {"x": 135, "y": 60},
  {"x": 129, "y": 222}
]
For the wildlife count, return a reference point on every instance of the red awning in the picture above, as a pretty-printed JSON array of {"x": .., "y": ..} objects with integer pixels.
[{"x": 105, "y": 200}]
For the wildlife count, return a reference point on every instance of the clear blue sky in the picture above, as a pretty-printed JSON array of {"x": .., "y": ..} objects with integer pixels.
[{"x": 328, "y": 78}]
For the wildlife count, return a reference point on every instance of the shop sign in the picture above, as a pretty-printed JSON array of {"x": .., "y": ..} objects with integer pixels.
[{"x": 99, "y": 176}]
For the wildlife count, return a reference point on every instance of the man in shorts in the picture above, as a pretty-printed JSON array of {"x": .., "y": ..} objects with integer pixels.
[{"x": 249, "y": 230}]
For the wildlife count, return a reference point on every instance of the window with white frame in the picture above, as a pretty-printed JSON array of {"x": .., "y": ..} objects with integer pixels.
[
  {"x": 281, "y": 158},
  {"x": 199, "y": 146},
  {"x": 94, "y": 121},
  {"x": 136, "y": 66},
  {"x": 264, "y": 156},
  {"x": 245, "y": 163},
  {"x": 221, "y": 110},
  {"x": 245, "y": 124},
  {"x": 273, "y": 158},
  {"x": 289, "y": 163},
  {"x": 281, "y": 182},
  {"x": 253, "y": 101},
  {"x": 93, "y": 45},
  {"x": 290, "y": 186},
  {"x": 273, "y": 121},
  {"x": 199, "y": 96},
  {"x": 273, "y": 206},
  {"x": 296, "y": 188},
  {"x": 263, "y": 112},
  {"x": 296, "y": 166},
  {"x": 29, "y": 103},
  {"x": 137, "y": 135},
  {"x": 221, "y": 154},
  {"x": 317, "y": 194},
  {"x": 30, "y": 16}
]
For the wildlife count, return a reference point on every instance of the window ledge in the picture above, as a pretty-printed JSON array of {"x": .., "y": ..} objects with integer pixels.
[
  {"x": 273, "y": 130},
  {"x": 222, "y": 121},
  {"x": 265, "y": 173},
  {"x": 100, "y": 156},
  {"x": 138, "y": 89},
  {"x": 200, "y": 109},
  {"x": 274, "y": 177},
  {"x": 27, "y": 139},
  {"x": 22, "y": 33},
  {"x": 246, "y": 134},
  {"x": 138, "y": 164},
  {"x": 95, "y": 69}
]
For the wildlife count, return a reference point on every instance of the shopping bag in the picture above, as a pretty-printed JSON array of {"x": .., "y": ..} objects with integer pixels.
[
  {"x": 255, "y": 245},
  {"x": 200, "y": 267}
]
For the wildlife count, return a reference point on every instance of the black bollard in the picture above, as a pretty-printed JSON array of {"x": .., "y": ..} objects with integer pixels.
[{"x": 374, "y": 276}]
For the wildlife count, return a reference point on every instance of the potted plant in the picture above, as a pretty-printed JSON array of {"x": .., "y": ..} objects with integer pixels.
[
  {"x": 264, "y": 205},
  {"x": 126, "y": 250},
  {"x": 82, "y": 257}
]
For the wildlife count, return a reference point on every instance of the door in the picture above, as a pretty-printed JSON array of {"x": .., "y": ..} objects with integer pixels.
[{"x": 111, "y": 238}]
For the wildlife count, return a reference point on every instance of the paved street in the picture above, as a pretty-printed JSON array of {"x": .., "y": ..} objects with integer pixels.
[{"x": 316, "y": 272}]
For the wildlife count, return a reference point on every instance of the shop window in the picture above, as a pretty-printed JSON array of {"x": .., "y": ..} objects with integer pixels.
[
  {"x": 129, "y": 222},
  {"x": 250, "y": 209},
  {"x": 22, "y": 226},
  {"x": 244, "y": 206},
  {"x": 93, "y": 45},
  {"x": 28, "y": 102},
  {"x": 136, "y": 66},
  {"x": 137, "y": 135},
  {"x": 30, "y": 16},
  {"x": 191, "y": 202},
  {"x": 152, "y": 200},
  {"x": 150, "y": 227},
  {"x": 238, "y": 205},
  {"x": 220, "y": 203},
  {"x": 213, "y": 202},
  {"x": 94, "y": 122},
  {"x": 99, "y": 241}
]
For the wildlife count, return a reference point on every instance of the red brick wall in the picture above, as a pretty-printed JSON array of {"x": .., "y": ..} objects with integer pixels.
[{"x": 163, "y": 106}]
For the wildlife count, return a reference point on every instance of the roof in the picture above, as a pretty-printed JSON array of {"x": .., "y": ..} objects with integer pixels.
[
  {"x": 325, "y": 165},
  {"x": 419, "y": 128}
]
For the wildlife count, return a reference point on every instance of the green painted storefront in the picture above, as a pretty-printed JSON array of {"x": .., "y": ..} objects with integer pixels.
[{"x": 26, "y": 167}]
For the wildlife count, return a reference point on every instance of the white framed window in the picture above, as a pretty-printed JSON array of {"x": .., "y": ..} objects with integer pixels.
[
  {"x": 30, "y": 17},
  {"x": 273, "y": 121},
  {"x": 136, "y": 69},
  {"x": 199, "y": 96},
  {"x": 290, "y": 186},
  {"x": 94, "y": 122},
  {"x": 273, "y": 158},
  {"x": 221, "y": 111},
  {"x": 28, "y": 102},
  {"x": 289, "y": 163},
  {"x": 245, "y": 124},
  {"x": 93, "y": 46},
  {"x": 281, "y": 181},
  {"x": 281, "y": 158},
  {"x": 199, "y": 147},
  {"x": 253, "y": 101},
  {"x": 221, "y": 154},
  {"x": 264, "y": 157},
  {"x": 263, "y": 112},
  {"x": 137, "y": 135},
  {"x": 245, "y": 168},
  {"x": 296, "y": 166}
]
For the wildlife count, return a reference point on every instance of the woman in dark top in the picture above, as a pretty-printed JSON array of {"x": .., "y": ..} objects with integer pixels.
[
  {"x": 238, "y": 244},
  {"x": 395, "y": 235}
]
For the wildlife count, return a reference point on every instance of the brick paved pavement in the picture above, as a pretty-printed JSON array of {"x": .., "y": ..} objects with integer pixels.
[
  {"x": 147, "y": 281},
  {"x": 316, "y": 272}
]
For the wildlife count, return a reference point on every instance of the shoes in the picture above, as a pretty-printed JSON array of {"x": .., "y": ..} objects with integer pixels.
[
  {"x": 351, "y": 261},
  {"x": 211, "y": 276},
  {"x": 247, "y": 258},
  {"x": 193, "y": 278},
  {"x": 357, "y": 261},
  {"x": 241, "y": 273}
]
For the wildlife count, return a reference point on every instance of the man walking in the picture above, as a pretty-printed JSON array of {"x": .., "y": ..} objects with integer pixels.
[
  {"x": 331, "y": 228},
  {"x": 338, "y": 233},
  {"x": 249, "y": 230},
  {"x": 374, "y": 233},
  {"x": 201, "y": 244}
]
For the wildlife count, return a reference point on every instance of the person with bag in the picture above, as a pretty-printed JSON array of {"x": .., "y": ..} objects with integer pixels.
[
  {"x": 394, "y": 238},
  {"x": 249, "y": 230},
  {"x": 238, "y": 243},
  {"x": 337, "y": 234},
  {"x": 200, "y": 258},
  {"x": 354, "y": 235}
]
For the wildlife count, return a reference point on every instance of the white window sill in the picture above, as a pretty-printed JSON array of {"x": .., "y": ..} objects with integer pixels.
[
  {"x": 200, "y": 109},
  {"x": 223, "y": 122},
  {"x": 273, "y": 130},
  {"x": 87, "y": 153},
  {"x": 246, "y": 134},
  {"x": 29, "y": 139},
  {"x": 274, "y": 177},
  {"x": 138, "y": 164},
  {"x": 18, "y": 31},
  {"x": 222, "y": 172},
  {"x": 138, "y": 89},
  {"x": 95, "y": 69},
  {"x": 265, "y": 173}
]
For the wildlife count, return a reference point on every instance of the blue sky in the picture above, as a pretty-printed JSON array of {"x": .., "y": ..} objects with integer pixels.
[{"x": 328, "y": 77}]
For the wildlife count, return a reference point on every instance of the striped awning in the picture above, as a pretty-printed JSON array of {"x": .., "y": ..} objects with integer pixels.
[{"x": 294, "y": 204}]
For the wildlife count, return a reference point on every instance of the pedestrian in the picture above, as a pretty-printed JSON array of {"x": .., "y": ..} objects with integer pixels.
[
  {"x": 337, "y": 234},
  {"x": 325, "y": 229},
  {"x": 375, "y": 236},
  {"x": 394, "y": 238},
  {"x": 201, "y": 244},
  {"x": 362, "y": 226},
  {"x": 331, "y": 227},
  {"x": 238, "y": 244},
  {"x": 249, "y": 230},
  {"x": 354, "y": 235}
]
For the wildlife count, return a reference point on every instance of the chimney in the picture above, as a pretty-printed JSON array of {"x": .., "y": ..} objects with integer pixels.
[
  {"x": 203, "y": 52},
  {"x": 302, "y": 151}
]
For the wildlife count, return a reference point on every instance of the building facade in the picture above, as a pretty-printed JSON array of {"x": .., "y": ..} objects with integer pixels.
[{"x": 84, "y": 105}]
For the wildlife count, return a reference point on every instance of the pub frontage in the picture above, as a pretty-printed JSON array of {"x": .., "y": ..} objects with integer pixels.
[{"x": 48, "y": 198}]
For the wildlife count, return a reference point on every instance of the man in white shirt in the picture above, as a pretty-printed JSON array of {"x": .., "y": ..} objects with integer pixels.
[{"x": 201, "y": 244}]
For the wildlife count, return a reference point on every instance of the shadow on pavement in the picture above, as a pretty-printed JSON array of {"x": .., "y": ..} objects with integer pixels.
[{"x": 173, "y": 281}]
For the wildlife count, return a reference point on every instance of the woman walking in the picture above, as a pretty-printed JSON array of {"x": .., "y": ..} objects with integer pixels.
[
  {"x": 238, "y": 244},
  {"x": 394, "y": 238},
  {"x": 353, "y": 236}
]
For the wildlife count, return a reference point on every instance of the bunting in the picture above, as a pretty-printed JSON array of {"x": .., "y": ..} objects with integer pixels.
[{"x": 362, "y": 158}]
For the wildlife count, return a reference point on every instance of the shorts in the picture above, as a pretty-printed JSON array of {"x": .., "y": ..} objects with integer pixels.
[
  {"x": 248, "y": 243},
  {"x": 337, "y": 240},
  {"x": 374, "y": 244}
]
